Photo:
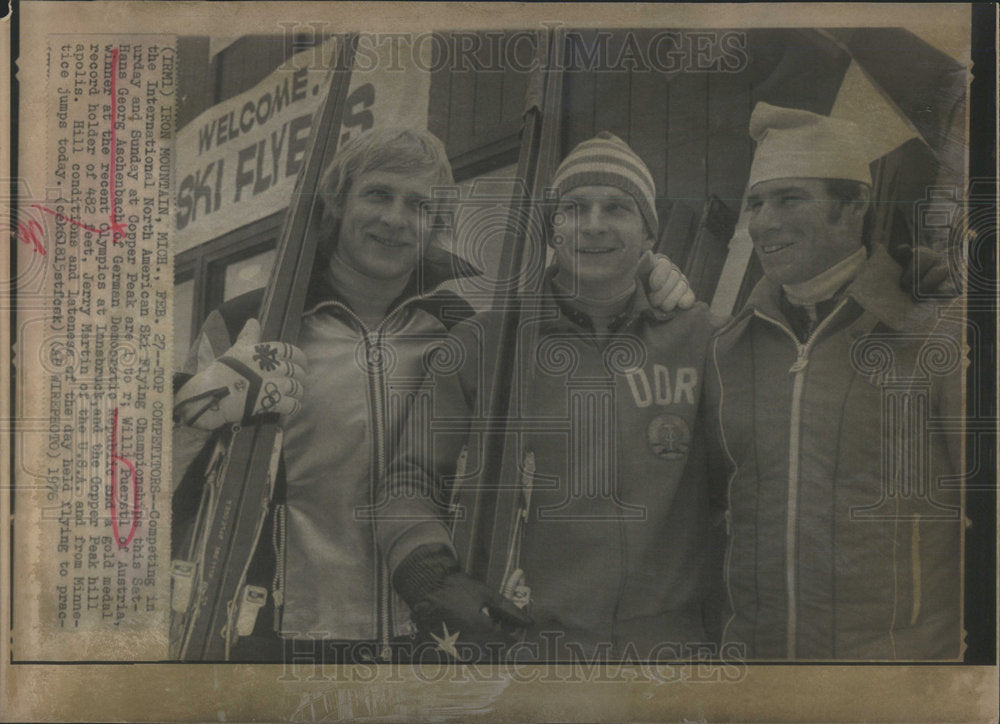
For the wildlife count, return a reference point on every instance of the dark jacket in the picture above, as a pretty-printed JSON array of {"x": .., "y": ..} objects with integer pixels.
[
  {"x": 616, "y": 538},
  {"x": 844, "y": 487}
]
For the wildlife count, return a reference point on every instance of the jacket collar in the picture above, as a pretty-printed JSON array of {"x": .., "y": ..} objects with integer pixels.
[
  {"x": 436, "y": 267},
  {"x": 638, "y": 306},
  {"x": 876, "y": 289}
]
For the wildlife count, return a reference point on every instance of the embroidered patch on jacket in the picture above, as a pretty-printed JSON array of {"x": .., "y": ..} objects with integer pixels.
[{"x": 669, "y": 437}]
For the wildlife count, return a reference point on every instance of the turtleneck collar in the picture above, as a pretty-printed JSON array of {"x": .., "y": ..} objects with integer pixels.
[{"x": 826, "y": 284}]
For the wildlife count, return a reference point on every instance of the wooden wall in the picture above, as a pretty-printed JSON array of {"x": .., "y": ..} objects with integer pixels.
[
  {"x": 207, "y": 79},
  {"x": 477, "y": 114},
  {"x": 689, "y": 127}
]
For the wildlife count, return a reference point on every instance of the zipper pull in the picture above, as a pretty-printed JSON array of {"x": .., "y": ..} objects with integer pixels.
[{"x": 801, "y": 362}]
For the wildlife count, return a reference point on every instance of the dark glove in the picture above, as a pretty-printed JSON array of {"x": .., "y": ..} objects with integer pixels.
[
  {"x": 458, "y": 612},
  {"x": 925, "y": 273}
]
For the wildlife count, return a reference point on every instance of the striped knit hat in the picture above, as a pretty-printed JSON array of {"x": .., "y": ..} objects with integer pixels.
[{"x": 607, "y": 160}]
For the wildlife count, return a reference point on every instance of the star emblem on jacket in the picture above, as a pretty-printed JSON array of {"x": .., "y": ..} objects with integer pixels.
[{"x": 447, "y": 642}]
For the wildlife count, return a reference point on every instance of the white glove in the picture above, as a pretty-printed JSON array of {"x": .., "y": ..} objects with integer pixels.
[
  {"x": 668, "y": 287},
  {"x": 251, "y": 378}
]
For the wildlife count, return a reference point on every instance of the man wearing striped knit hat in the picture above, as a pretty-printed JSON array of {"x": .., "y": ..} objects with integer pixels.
[{"x": 613, "y": 550}]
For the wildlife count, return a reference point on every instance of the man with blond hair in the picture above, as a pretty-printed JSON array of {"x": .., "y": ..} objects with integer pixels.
[{"x": 317, "y": 557}]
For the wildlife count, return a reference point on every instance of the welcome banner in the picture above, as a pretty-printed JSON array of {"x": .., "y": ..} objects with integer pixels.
[{"x": 237, "y": 161}]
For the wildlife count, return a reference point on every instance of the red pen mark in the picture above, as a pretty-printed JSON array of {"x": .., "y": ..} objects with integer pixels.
[
  {"x": 32, "y": 233},
  {"x": 115, "y": 459},
  {"x": 63, "y": 217}
]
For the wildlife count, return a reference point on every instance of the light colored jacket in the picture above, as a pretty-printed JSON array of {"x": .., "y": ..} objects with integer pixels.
[{"x": 318, "y": 555}]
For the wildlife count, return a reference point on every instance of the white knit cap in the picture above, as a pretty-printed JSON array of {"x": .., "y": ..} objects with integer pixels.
[
  {"x": 793, "y": 143},
  {"x": 606, "y": 160}
]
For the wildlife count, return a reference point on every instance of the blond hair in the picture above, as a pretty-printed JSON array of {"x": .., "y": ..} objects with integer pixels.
[{"x": 393, "y": 149}]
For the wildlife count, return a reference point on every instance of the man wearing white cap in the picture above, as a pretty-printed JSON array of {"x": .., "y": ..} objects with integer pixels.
[
  {"x": 844, "y": 508},
  {"x": 614, "y": 540}
]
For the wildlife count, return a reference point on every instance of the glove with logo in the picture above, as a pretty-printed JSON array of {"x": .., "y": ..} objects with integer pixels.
[
  {"x": 251, "y": 378},
  {"x": 666, "y": 284},
  {"x": 458, "y": 612}
]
